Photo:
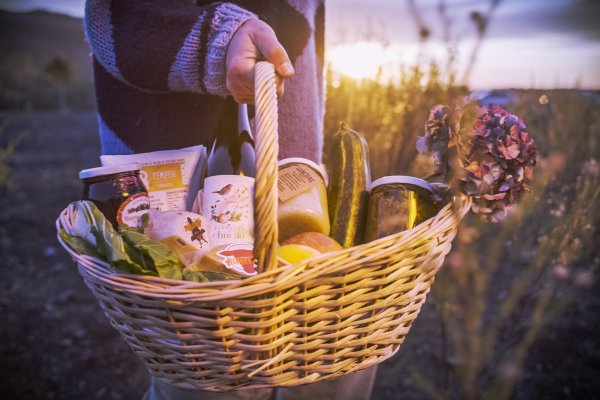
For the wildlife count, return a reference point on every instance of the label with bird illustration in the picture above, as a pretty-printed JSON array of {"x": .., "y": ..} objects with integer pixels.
[{"x": 228, "y": 204}]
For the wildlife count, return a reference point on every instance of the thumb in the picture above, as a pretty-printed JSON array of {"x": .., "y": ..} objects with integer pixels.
[{"x": 273, "y": 51}]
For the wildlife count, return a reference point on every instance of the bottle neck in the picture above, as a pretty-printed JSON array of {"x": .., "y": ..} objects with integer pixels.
[
  {"x": 243, "y": 122},
  {"x": 233, "y": 150},
  {"x": 228, "y": 131}
]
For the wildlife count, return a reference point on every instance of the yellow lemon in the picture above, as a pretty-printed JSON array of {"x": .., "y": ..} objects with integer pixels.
[
  {"x": 316, "y": 240},
  {"x": 293, "y": 253}
]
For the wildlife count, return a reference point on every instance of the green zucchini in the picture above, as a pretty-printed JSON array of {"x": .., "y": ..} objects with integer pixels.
[{"x": 347, "y": 194}]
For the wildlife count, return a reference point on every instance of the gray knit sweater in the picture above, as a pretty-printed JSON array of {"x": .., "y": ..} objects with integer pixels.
[{"x": 160, "y": 70}]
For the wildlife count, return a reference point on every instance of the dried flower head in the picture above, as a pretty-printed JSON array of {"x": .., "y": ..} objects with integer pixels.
[
  {"x": 500, "y": 162},
  {"x": 441, "y": 128}
]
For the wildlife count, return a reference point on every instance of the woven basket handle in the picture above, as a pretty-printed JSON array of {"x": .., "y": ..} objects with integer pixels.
[{"x": 266, "y": 142}]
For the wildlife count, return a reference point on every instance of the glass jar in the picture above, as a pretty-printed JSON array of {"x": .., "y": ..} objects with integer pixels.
[
  {"x": 118, "y": 192},
  {"x": 302, "y": 198},
  {"x": 398, "y": 203}
]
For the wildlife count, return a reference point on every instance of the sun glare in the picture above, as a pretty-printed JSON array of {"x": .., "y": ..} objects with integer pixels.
[{"x": 358, "y": 60}]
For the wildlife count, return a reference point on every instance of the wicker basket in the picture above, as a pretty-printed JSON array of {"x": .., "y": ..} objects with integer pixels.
[{"x": 289, "y": 325}]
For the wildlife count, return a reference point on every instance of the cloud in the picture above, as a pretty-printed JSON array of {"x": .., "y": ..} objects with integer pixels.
[
  {"x": 349, "y": 20},
  {"x": 539, "y": 18},
  {"x": 541, "y": 42},
  {"x": 352, "y": 20}
]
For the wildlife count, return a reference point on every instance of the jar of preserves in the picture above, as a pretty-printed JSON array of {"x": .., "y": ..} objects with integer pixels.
[
  {"x": 118, "y": 192},
  {"x": 398, "y": 203},
  {"x": 302, "y": 198}
]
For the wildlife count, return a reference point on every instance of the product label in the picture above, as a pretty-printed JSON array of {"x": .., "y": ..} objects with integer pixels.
[
  {"x": 295, "y": 179},
  {"x": 194, "y": 229},
  {"x": 228, "y": 204},
  {"x": 179, "y": 245},
  {"x": 170, "y": 176},
  {"x": 131, "y": 210},
  {"x": 166, "y": 183},
  {"x": 239, "y": 258},
  {"x": 164, "y": 176}
]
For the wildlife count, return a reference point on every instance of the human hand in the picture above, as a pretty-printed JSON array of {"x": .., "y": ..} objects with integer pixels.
[{"x": 254, "y": 41}]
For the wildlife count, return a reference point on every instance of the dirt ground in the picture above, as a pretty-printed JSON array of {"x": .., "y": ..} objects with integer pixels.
[{"x": 55, "y": 342}]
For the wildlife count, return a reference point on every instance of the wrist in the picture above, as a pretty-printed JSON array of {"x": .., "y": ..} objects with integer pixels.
[{"x": 228, "y": 20}]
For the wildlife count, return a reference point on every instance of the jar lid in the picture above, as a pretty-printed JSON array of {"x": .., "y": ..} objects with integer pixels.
[
  {"x": 300, "y": 160},
  {"x": 111, "y": 170},
  {"x": 411, "y": 180}
]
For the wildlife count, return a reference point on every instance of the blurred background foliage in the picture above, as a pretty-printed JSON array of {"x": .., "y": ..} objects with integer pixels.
[{"x": 504, "y": 284}]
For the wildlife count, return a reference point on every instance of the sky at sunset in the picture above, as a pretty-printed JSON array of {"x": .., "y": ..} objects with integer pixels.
[{"x": 530, "y": 43}]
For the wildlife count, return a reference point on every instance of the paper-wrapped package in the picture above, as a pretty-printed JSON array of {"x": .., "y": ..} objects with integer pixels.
[
  {"x": 172, "y": 177},
  {"x": 184, "y": 232}
]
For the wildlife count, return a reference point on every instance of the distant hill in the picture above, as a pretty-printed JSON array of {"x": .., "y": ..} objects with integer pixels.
[
  {"x": 39, "y": 36},
  {"x": 45, "y": 63}
]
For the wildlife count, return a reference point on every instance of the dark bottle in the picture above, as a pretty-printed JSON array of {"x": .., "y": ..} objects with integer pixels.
[
  {"x": 228, "y": 194},
  {"x": 232, "y": 152},
  {"x": 117, "y": 191}
]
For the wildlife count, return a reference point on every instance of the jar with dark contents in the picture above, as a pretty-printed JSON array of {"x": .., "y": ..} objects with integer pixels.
[
  {"x": 398, "y": 203},
  {"x": 118, "y": 192}
]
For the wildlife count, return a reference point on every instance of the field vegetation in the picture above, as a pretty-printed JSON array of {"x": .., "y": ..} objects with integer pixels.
[
  {"x": 506, "y": 282},
  {"x": 511, "y": 315}
]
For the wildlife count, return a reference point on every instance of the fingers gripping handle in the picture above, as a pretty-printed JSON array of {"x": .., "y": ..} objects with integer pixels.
[{"x": 267, "y": 148}]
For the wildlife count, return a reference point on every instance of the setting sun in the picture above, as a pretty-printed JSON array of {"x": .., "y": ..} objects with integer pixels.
[
  {"x": 359, "y": 60},
  {"x": 406, "y": 138}
]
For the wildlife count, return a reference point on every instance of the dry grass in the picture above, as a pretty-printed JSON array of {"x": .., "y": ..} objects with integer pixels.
[
  {"x": 8, "y": 147},
  {"x": 504, "y": 283}
]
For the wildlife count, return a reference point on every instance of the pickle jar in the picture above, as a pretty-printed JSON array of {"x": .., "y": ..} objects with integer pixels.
[
  {"x": 398, "y": 203},
  {"x": 118, "y": 192},
  {"x": 302, "y": 198}
]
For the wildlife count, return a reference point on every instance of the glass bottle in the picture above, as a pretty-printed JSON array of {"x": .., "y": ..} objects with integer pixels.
[{"x": 228, "y": 194}]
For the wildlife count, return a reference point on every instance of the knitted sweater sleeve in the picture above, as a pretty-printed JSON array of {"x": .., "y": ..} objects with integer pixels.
[{"x": 161, "y": 46}]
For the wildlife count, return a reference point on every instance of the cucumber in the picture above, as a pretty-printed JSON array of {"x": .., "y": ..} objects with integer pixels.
[{"x": 347, "y": 194}]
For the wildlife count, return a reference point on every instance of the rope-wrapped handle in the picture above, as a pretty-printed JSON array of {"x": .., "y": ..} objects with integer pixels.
[{"x": 266, "y": 143}]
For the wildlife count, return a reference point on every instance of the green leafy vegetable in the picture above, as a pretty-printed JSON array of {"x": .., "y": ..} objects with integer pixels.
[
  {"x": 80, "y": 245},
  {"x": 83, "y": 221},
  {"x": 128, "y": 249},
  {"x": 151, "y": 253},
  {"x": 145, "y": 222},
  {"x": 92, "y": 227},
  {"x": 220, "y": 276},
  {"x": 194, "y": 276},
  {"x": 208, "y": 276},
  {"x": 111, "y": 245}
]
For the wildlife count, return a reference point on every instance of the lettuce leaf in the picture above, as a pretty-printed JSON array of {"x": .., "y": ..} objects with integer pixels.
[
  {"x": 128, "y": 249},
  {"x": 221, "y": 276},
  {"x": 151, "y": 253},
  {"x": 193, "y": 276},
  {"x": 208, "y": 276},
  {"x": 91, "y": 226},
  {"x": 83, "y": 221},
  {"x": 80, "y": 245}
]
